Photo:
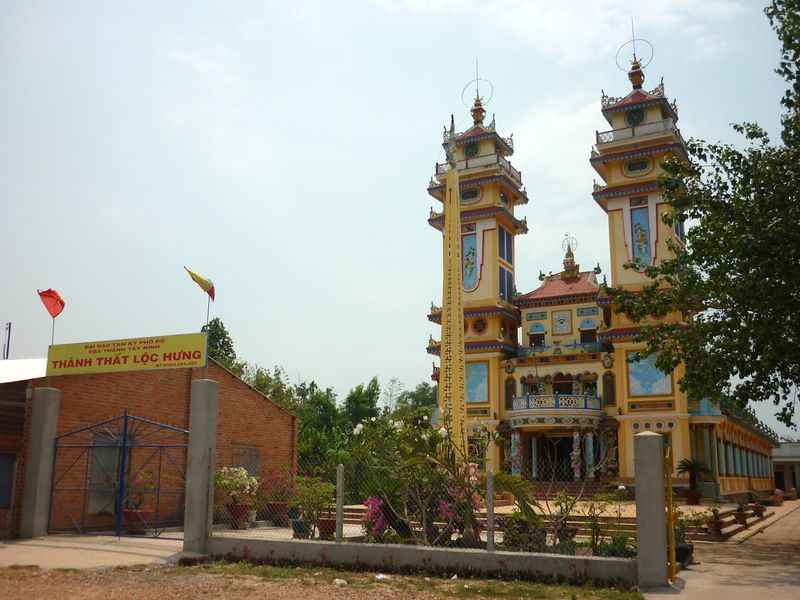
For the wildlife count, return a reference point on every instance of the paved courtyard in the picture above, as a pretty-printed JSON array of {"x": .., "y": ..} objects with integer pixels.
[{"x": 764, "y": 566}]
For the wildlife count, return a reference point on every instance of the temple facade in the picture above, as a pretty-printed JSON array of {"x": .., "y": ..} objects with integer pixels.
[{"x": 555, "y": 369}]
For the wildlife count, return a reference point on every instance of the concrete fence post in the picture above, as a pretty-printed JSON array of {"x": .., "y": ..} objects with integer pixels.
[
  {"x": 651, "y": 516},
  {"x": 39, "y": 462},
  {"x": 339, "y": 503},
  {"x": 490, "y": 510},
  {"x": 200, "y": 465}
]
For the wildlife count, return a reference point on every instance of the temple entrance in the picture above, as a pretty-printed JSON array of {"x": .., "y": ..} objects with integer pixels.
[{"x": 553, "y": 458}]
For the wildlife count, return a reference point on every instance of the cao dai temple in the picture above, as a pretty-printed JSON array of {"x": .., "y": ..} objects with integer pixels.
[{"x": 550, "y": 368}]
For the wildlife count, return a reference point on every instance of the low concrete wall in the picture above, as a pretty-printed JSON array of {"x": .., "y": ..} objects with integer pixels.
[{"x": 390, "y": 557}]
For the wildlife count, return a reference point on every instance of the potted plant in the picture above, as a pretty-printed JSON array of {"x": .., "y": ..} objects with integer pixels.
[
  {"x": 300, "y": 529},
  {"x": 740, "y": 514},
  {"x": 241, "y": 488},
  {"x": 276, "y": 492},
  {"x": 759, "y": 509},
  {"x": 778, "y": 494},
  {"x": 313, "y": 498},
  {"x": 696, "y": 470},
  {"x": 714, "y": 523},
  {"x": 135, "y": 518}
]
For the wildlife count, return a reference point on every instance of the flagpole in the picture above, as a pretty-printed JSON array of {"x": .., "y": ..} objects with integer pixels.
[
  {"x": 53, "y": 332},
  {"x": 208, "y": 309}
]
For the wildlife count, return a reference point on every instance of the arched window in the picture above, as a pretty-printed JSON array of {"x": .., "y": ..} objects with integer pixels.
[
  {"x": 511, "y": 387},
  {"x": 609, "y": 389}
]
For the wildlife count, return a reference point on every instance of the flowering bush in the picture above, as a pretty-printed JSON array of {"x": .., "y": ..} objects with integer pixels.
[
  {"x": 237, "y": 483},
  {"x": 375, "y": 525}
]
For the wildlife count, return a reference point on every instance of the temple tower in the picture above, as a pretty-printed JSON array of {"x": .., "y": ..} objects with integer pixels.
[
  {"x": 628, "y": 158},
  {"x": 490, "y": 190}
]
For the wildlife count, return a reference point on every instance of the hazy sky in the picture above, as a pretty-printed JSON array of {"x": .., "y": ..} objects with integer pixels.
[{"x": 283, "y": 149}]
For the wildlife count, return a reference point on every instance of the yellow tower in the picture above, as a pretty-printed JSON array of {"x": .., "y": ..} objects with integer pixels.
[
  {"x": 643, "y": 134},
  {"x": 490, "y": 190}
]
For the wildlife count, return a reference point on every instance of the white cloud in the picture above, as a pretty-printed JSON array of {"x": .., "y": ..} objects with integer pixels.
[{"x": 573, "y": 32}]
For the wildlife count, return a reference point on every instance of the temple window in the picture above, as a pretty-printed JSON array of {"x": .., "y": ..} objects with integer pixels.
[
  {"x": 506, "y": 285},
  {"x": 505, "y": 245},
  {"x": 536, "y": 340},
  {"x": 609, "y": 389},
  {"x": 511, "y": 389},
  {"x": 588, "y": 336},
  {"x": 563, "y": 384}
]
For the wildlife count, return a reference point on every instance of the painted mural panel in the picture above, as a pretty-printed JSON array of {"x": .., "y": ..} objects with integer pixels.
[
  {"x": 477, "y": 382},
  {"x": 640, "y": 228},
  {"x": 645, "y": 379},
  {"x": 469, "y": 252},
  {"x": 562, "y": 322}
]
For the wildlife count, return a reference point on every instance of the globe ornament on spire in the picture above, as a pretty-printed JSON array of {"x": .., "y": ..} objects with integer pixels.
[{"x": 637, "y": 65}]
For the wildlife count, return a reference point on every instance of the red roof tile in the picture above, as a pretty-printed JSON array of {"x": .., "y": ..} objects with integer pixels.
[{"x": 554, "y": 286}]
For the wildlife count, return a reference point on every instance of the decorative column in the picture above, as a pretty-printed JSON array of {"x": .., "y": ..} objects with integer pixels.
[
  {"x": 589, "y": 455},
  {"x": 534, "y": 459},
  {"x": 516, "y": 453},
  {"x": 723, "y": 468},
  {"x": 575, "y": 455},
  {"x": 693, "y": 441},
  {"x": 603, "y": 443}
]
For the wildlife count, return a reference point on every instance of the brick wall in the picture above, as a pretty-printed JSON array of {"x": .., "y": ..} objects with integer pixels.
[{"x": 246, "y": 418}]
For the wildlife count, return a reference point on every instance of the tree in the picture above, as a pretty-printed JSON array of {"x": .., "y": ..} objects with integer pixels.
[
  {"x": 362, "y": 402},
  {"x": 737, "y": 280},
  {"x": 392, "y": 393},
  {"x": 220, "y": 343},
  {"x": 424, "y": 395}
]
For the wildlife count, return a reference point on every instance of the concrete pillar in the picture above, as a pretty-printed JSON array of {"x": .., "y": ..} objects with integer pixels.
[
  {"x": 589, "y": 455},
  {"x": 516, "y": 453},
  {"x": 39, "y": 462},
  {"x": 200, "y": 465},
  {"x": 339, "y": 503},
  {"x": 651, "y": 516}
]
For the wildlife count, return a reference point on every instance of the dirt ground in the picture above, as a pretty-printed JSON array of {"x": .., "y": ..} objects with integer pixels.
[{"x": 239, "y": 581}]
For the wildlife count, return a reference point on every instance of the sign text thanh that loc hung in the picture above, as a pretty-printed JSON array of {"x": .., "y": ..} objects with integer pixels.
[{"x": 135, "y": 354}]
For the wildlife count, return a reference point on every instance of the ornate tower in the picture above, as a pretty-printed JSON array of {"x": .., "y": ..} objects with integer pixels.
[
  {"x": 490, "y": 190},
  {"x": 628, "y": 157},
  {"x": 452, "y": 389}
]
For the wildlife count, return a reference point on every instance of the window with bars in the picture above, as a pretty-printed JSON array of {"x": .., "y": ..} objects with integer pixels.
[
  {"x": 248, "y": 457},
  {"x": 6, "y": 479}
]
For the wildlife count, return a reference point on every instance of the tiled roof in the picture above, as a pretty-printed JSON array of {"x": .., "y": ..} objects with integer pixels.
[{"x": 554, "y": 286}]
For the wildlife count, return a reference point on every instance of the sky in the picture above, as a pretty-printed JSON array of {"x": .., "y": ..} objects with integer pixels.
[{"x": 283, "y": 149}]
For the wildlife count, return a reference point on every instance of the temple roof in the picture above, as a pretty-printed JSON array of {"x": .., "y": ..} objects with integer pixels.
[
  {"x": 555, "y": 286},
  {"x": 638, "y": 97}
]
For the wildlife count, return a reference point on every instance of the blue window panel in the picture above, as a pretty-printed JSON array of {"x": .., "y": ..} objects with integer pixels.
[
  {"x": 509, "y": 286},
  {"x": 501, "y": 244},
  {"x": 502, "y": 282},
  {"x": 510, "y": 248},
  {"x": 6, "y": 479}
]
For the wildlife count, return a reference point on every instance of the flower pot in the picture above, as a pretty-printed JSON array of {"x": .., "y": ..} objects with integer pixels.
[
  {"x": 136, "y": 521},
  {"x": 277, "y": 512},
  {"x": 714, "y": 527},
  {"x": 240, "y": 515},
  {"x": 684, "y": 553},
  {"x": 741, "y": 517},
  {"x": 327, "y": 528},
  {"x": 759, "y": 510},
  {"x": 693, "y": 497},
  {"x": 300, "y": 529}
]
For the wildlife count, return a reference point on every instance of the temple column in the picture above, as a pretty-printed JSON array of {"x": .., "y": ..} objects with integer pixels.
[
  {"x": 693, "y": 441},
  {"x": 723, "y": 467},
  {"x": 707, "y": 448},
  {"x": 576, "y": 455},
  {"x": 589, "y": 455},
  {"x": 516, "y": 453},
  {"x": 603, "y": 442}
]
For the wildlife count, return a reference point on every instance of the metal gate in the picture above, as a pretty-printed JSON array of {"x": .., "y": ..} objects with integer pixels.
[{"x": 123, "y": 476}]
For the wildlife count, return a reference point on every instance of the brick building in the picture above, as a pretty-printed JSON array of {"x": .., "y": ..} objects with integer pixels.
[{"x": 252, "y": 431}]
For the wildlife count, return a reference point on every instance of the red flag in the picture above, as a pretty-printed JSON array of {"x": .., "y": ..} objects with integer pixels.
[{"x": 52, "y": 301}]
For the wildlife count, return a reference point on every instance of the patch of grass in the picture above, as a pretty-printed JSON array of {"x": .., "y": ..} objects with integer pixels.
[{"x": 441, "y": 586}]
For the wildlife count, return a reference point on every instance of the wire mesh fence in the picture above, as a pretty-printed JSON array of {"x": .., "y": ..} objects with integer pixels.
[{"x": 404, "y": 482}]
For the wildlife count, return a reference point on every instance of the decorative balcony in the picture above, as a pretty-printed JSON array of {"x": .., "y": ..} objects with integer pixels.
[
  {"x": 566, "y": 402},
  {"x": 627, "y": 133},
  {"x": 570, "y": 348},
  {"x": 487, "y": 160}
]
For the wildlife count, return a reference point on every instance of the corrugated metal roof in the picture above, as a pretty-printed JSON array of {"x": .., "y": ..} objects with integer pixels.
[{"x": 22, "y": 369}]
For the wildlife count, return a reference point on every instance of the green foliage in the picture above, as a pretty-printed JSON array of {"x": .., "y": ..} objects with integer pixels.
[
  {"x": 362, "y": 402},
  {"x": 523, "y": 534},
  {"x": 736, "y": 280},
  {"x": 696, "y": 469},
  {"x": 619, "y": 545},
  {"x": 424, "y": 395},
  {"x": 220, "y": 345},
  {"x": 314, "y": 498}
]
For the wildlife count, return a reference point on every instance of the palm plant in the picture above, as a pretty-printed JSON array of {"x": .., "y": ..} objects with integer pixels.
[{"x": 695, "y": 469}]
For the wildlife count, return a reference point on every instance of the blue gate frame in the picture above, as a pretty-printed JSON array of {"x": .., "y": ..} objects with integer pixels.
[{"x": 132, "y": 461}]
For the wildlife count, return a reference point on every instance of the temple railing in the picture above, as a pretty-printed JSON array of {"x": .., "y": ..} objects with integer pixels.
[
  {"x": 626, "y": 133},
  {"x": 486, "y": 160},
  {"x": 558, "y": 402}
]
